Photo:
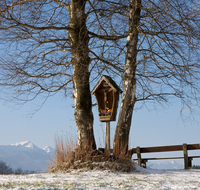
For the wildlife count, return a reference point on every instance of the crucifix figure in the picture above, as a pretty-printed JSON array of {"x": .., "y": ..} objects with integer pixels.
[{"x": 105, "y": 98}]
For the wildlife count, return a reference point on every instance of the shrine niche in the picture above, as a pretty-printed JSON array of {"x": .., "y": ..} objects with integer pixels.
[{"x": 107, "y": 93}]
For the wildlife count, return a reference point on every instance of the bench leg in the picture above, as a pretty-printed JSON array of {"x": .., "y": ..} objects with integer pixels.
[
  {"x": 190, "y": 162},
  {"x": 139, "y": 156},
  {"x": 185, "y": 154},
  {"x": 144, "y": 163}
]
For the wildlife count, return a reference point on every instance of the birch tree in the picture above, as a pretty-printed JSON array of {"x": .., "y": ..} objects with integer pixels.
[
  {"x": 161, "y": 58},
  {"x": 153, "y": 46}
]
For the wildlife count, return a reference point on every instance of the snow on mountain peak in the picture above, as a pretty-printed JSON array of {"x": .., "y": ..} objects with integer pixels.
[
  {"x": 46, "y": 148},
  {"x": 49, "y": 150},
  {"x": 27, "y": 144}
]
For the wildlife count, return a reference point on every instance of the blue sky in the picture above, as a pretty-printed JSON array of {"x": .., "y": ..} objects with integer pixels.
[{"x": 158, "y": 127}]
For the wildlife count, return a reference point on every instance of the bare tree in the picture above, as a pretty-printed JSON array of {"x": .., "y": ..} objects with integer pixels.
[
  {"x": 45, "y": 44},
  {"x": 19, "y": 171},
  {"x": 5, "y": 169},
  {"x": 152, "y": 46}
]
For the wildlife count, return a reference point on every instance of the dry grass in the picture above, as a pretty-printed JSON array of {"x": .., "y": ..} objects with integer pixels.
[
  {"x": 69, "y": 155},
  {"x": 64, "y": 153}
]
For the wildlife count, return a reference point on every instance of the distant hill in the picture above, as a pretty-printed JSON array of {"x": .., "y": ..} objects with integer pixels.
[
  {"x": 165, "y": 165},
  {"x": 26, "y": 155}
]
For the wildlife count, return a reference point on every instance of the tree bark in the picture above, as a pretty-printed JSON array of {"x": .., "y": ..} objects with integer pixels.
[
  {"x": 121, "y": 139},
  {"x": 81, "y": 89}
]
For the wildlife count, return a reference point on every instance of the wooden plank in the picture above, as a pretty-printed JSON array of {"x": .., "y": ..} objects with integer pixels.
[
  {"x": 162, "y": 158},
  {"x": 193, "y": 146},
  {"x": 105, "y": 118},
  {"x": 166, "y": 148},
  {"x": 162, "y": 149},
  {"x": 193, "y": 156}
]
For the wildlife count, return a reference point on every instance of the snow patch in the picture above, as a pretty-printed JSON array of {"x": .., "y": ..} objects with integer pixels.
[{"x": 49, "y": 149}]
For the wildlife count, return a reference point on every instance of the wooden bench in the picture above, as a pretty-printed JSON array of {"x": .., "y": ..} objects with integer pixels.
[{"x": 184, "y": 148}]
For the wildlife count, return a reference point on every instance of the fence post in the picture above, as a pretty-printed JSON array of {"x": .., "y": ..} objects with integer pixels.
[
  {"x": 139, "y": 156},
  {"x": 185, "y": 156}
]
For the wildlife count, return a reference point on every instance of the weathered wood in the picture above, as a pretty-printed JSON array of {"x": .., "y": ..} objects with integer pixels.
[
  {"x": 107, "y": 146},
  {"x": 168, "y": 158},
  {"x": 190, "y": 162},
  {"x": 139, "y": 156},
  {"x": 185, "y": 154},
  {"x": 166, "y": 148},
  {"x": 184, "y": 148},
  {"x": 161, "y": 158},
  {"x": 144, "y": 163},
  {"x": 194, "y": 157},
  {"x": 107, "y": 93},
  {"x": 105, "y": 118}
]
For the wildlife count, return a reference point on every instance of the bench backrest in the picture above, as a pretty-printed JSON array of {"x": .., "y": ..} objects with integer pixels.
[
  {"x": 185, "y": 147},
  {"x": 165, "y": 148}
]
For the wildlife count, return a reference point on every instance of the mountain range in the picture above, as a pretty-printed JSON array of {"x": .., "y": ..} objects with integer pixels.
[
  {"x": 165, "y": 165},
  {"x": 26, "y": 155}
]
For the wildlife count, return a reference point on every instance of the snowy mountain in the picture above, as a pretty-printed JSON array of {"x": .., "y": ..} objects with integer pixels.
[{"x": 26, "y": 155}]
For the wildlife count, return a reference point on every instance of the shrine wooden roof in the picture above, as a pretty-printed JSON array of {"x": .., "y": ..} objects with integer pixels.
[{"x": 110, "y": 82}]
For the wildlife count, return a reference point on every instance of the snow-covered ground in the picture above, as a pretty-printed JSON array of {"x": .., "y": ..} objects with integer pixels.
[{"x": 91, "y": 179}]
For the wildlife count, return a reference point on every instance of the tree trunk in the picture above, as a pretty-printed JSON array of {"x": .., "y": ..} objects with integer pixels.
[
  {"x": 121, "y": 140},
  {"x": 81, "y": 88}
]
